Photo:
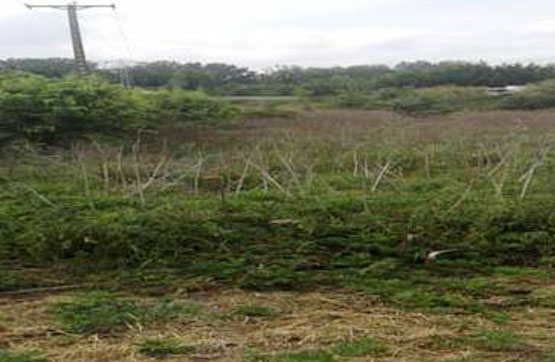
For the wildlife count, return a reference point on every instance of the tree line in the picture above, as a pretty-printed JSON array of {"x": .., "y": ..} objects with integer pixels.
[{"x": 226, "y": 79}]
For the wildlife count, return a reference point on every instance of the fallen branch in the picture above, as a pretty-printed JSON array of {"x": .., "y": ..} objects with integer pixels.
[
  {"x": 266, "y": 176},
  {"x": 529, "y": 175},
  {"x": 154, "y": 175},
  {"x": 462, "y": 198},
  {"x": 243, "y": 176},
  {"x": 41, "y": 197},
  {"x": 380, "y": 176}
]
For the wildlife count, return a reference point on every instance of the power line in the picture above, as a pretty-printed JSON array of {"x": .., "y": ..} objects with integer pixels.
[
  {"x": 76, "y": 39},
  {"x": 125, "y": 76}
]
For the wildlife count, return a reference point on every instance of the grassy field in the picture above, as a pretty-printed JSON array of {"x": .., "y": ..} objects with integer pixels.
[{"x": 294, "y": 234}]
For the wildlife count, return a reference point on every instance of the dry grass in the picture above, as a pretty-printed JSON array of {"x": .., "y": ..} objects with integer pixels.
[
  {"x": 306, "y": 321},
  {"x": 316, "y": 144},
  {"x": 351, "y": 125}
]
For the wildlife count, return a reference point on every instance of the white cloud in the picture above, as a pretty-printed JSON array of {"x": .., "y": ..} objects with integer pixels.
[
  {"x": 307, "y": 32},
  {"x": 543, "y": 27}
]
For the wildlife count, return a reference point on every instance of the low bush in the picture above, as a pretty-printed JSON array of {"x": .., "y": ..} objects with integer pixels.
[
  {"x": 52, "y": 111},
  {"x": 496, "y": 341},
  {"x": 352, "y": 100},
  {"x": 440, "y": 100},
  {"x": 417, "y": 101},
  {"x": 42, "y": 110},
  {"x": 536, "y": 96},
  {"x": 108, "y": 313},
  {"x": 160, "y": 347},
  {"x": 180, "y": 108}
]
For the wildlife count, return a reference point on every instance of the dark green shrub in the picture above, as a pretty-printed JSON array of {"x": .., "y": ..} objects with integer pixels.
[
  {"x": 351, "y": 100},
  {"x": 440, "y": 100},
  {"x": 181, "y": 108},
  {"x": 43, "y": 110},
  {"x": 48, "y": 111}
]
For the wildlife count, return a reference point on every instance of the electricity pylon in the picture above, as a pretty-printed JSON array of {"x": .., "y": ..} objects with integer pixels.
[{"x": 77, "y": 41}]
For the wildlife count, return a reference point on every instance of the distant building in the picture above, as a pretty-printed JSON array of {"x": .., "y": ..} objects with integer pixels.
[{"x": 495, "y": 91}]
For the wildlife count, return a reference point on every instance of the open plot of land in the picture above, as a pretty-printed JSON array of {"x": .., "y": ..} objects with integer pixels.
[
  {"x": 233, "y": 325},
  {"x": 308, "y": 238}
]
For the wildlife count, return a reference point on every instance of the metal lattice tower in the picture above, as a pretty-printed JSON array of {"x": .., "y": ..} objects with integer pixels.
[{"x": 76, "y": 39}]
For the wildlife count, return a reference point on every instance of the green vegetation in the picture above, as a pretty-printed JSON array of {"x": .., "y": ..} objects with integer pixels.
[
  {"x": 70, "y": 109},
  {"x": 444, "y": 222},
  {"x": 537, "y": 96},
  {"x": 485, "y": 340},
  {"x": 159, "y": 347},
  {"x": 106, "y": 313},
  {"x": 441, "y": 100},
  {"x": 304, "y": 356},
  {"x": 445, "y": 342},
  {"x": 360, "y": 207},
  {"x": 29, "y": 356},
  {"x": 550, "y": 357},
  {"x": 499, "y": 341},
  {"x": 7, "y": 280},
  {"x": 52, "y": 67},
  {"x": 220, "y": 79},
  {"x": 544, "y": 297},
  {"x": 40, "y": 110},
  {"x": 45, "y": 111},
  {"x": 362, "y": 347},
  {"x": 420, "y": 101}
]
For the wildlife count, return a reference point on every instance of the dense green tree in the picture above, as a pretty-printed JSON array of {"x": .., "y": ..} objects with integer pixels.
[
  {"x": 222, "y": 79},
  {"x": 49, "y": 67}
]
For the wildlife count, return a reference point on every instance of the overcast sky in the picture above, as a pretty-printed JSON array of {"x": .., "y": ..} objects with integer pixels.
[{"x": 265, "y": 33}]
